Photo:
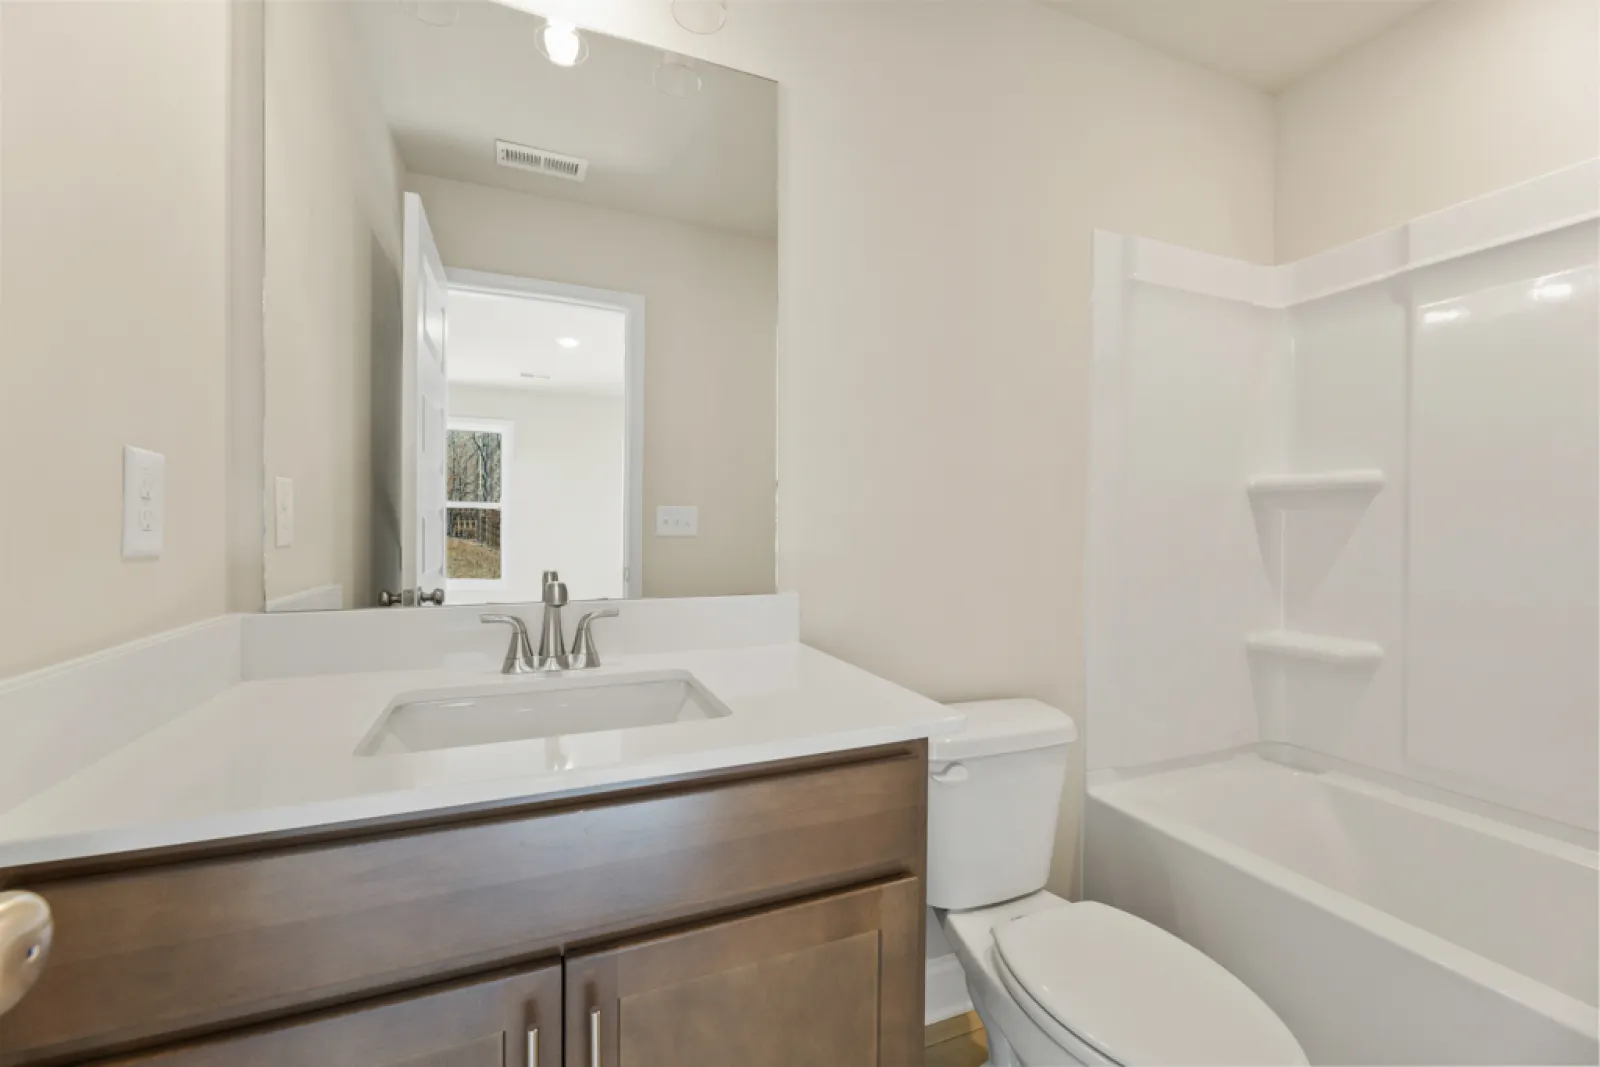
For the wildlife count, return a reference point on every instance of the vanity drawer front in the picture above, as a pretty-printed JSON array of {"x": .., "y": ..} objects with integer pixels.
[{"x": 159, "y": 952}]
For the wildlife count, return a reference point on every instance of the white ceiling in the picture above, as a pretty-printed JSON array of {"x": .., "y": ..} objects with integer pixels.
[
  {"x": 449, "y": 92},
  {"x": 1265, "y": 43},
  {"x": 498, "y": 340}
]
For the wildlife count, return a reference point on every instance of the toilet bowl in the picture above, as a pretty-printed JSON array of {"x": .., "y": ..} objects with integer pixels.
[{"x": 1055, "y": 982}]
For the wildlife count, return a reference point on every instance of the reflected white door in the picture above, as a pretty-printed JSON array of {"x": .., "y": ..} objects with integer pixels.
[{"x": 424, "y": 408}]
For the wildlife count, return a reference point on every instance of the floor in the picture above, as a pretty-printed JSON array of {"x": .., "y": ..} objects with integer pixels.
[{"x": 957, "y": 1042}]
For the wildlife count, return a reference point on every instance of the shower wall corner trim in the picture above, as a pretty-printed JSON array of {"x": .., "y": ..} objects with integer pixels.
[{"x": 1555, "y": 201}]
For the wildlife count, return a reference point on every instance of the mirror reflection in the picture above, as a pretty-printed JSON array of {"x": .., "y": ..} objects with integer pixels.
[{"x": 520, "y": 312}]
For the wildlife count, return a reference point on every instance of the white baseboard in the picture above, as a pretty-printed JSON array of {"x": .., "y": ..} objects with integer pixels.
[{"x": 946, "y": 990}]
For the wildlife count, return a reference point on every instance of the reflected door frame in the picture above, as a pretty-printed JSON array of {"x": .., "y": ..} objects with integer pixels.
[{"x": 632, "y": 306}]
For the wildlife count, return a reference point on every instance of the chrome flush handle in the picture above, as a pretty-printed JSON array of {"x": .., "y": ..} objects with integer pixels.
[{"x": 26, "y": 929}]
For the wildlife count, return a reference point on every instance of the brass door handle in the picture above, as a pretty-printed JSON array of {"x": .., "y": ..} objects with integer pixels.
[{"x": 26, "y": 930}]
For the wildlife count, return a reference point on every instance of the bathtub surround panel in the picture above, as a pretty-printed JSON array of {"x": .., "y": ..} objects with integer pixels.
[
  {"x": 1191, "y": 389},
  {"x": 1451, "y": 363},
  {"x": 1502, "y": 628},
  {"x": 1343, "y": 570}
]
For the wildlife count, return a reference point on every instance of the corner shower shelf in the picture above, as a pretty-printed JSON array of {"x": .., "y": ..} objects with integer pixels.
[
  {"x": 1303, "y": 490},
  {"x": 1293, "y": 645}
]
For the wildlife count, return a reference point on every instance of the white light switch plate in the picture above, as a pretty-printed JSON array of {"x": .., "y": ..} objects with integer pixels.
[
  {"x": 283, "y": 512},
  {"x": 144, "y": 502},
  {"x": 677, "y": 520}
]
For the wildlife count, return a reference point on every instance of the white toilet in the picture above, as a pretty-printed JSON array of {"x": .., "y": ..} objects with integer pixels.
[{"x": 1055, "y": 982}]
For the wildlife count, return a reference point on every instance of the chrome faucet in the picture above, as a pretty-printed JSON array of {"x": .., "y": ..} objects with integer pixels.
[
  {"x": 519, "y": 656},
  {"x": 584, "y": 655},
  {"x": 552, "y": 654}
]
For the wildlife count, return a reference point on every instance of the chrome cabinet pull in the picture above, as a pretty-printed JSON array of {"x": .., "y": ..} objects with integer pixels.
[
  {"x": 594, "y": 1037},
  {"x": 533, "y": 1046}
]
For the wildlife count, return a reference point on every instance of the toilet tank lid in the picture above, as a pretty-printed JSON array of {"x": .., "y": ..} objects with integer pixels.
[{"x": 996, "y": 727}]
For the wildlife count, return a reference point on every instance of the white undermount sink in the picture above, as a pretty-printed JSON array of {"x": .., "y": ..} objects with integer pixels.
[{"x": 547, "y": 706}]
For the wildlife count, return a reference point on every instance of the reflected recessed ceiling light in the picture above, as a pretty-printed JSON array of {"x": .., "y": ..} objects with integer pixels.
[
  {"x": 567, "y": 342},
  {"x": 562, "y": 44},
  {"x": 1433, "y": 318},
  {"x": 1551, "y": 292},
  {"x": 676, "y": 76},
  {"x": 700, "y": 16}
]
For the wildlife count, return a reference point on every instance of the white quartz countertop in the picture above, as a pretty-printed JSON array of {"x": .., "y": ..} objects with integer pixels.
[{"x": 279, "y": 754}]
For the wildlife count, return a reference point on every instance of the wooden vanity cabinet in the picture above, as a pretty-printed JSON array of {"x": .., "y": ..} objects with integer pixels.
[
  {"x": 512, "y": 1020},
  {"x": 769, "y": 916},
  {"x": 834, "y": 981}
]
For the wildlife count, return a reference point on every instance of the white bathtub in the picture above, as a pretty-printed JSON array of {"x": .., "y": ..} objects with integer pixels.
[{"x": 1382, "y": 928}]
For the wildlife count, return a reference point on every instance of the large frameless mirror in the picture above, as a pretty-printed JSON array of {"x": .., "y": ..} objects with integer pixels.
[{"x": 520, "y": 311}]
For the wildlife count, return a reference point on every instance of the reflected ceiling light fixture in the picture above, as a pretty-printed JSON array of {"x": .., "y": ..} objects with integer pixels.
[
  {"x": 700, "y": 16},
  {"x": 437, "y": 13},
  {"x": 676, "y": 76},
  {"x": 567, "y": 342},
  {"x": 562, "y": 44},
  {"x": 1443, "y": 315},
  {"x": 1552, "y": 292}
]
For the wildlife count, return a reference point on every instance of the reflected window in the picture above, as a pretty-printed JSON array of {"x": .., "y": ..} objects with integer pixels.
[{"x": 477, "y": 452}]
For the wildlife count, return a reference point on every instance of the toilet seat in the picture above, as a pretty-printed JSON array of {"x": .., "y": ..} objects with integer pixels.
[{"x": 1131, "y": 993}]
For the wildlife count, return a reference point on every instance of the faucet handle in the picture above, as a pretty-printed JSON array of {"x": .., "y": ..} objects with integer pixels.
[
  {"x": 584, "y": 655},
  {"x": 519, "y": 655}
]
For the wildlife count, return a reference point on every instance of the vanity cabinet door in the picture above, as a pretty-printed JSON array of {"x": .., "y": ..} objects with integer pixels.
[
  {"x": 508, "y": 1021},
  {"x": 835, "y": 981}
]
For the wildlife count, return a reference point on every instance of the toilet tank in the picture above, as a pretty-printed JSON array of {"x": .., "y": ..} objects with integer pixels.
[{"x": 994, "y": 791}]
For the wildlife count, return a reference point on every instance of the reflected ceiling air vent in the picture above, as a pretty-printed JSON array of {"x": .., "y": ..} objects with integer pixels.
[{"x": 537, "y": 160}]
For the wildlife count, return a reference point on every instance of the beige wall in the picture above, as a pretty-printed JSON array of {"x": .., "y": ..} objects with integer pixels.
[
  {"x": 113, "y": 323},
  {"x": 942, "y": 168},
  {"x": 246, "y": 370},
  {"x": 1467, "y": 97},
  {"x": 332, "y": 294},
  {"x": 564, "y": 506},
  {"x": 710, "y": 329}
]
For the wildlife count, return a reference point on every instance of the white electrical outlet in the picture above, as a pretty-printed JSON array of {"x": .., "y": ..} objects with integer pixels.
[
  {"x": 283, "y": 512},
  {"x": 144, "y": 502},
  {"x": 677, "y": 520}
]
